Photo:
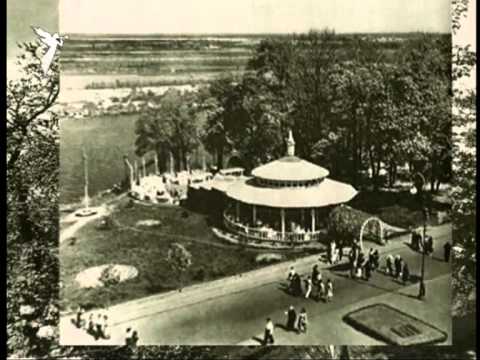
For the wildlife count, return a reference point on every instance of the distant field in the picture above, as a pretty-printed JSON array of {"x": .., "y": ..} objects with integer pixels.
[{"x": 113, "y": 81}]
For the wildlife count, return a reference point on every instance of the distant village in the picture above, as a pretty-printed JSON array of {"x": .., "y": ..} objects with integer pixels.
[{"x": 134, "y": 102}]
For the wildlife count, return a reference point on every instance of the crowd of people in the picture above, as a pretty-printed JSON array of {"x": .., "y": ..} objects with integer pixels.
[
  {"x": 418, "y": 245},
  {"x": 313, "y": 286},
  {"x": 295, "y": 322},
  {"x": 362, "y": 266},
  {"x": 98, "y": 327}
]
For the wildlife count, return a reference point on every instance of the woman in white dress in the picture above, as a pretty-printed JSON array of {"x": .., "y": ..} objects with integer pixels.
[
  {"x": 308, "y": 285},
  {"x": 329, "y": 290}
]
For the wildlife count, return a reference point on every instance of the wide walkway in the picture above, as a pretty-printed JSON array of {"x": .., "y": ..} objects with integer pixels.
[{"x": 233, "y": 310}]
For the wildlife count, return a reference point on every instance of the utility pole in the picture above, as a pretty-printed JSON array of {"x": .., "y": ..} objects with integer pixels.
[
  {"x": 417, "y": 189},
  {"x": 85, "y": 169}
]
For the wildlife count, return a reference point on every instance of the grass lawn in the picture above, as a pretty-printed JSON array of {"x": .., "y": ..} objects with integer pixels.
[{"x": 146, "y": 249}]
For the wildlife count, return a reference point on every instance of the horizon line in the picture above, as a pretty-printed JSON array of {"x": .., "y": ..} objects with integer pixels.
[{"x": 258, "y": 33}]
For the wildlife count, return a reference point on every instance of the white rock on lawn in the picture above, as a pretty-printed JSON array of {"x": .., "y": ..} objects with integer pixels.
[
  {"x": 90, "y": 278},
  {"x": 149, "y": 222}
]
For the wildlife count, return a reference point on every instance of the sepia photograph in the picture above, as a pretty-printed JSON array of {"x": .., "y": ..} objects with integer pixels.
[
  {"x": 255, "y": 182},
  {"x": 243, "y": 174}
]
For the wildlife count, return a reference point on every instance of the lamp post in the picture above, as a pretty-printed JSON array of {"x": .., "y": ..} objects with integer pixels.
[{"x": 417, "y": 188}]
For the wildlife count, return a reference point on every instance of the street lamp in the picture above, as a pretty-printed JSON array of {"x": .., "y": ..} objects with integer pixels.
[{"x": 417, "y": 188}]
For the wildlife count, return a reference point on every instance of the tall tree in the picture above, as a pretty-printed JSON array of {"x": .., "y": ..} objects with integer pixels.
[
  {"x": 174, "y": 127},
  {"x": 32, "y": 197}
]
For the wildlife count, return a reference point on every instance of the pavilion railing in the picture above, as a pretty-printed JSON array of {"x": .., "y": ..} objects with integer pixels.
[{"x": 262, "y": 235}]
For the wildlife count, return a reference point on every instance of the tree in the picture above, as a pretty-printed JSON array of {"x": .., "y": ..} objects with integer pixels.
[
  {"x": 463, "y": 192},
  {"x": 180, "y": 259},
  {"x": 32, "y": 197},
  {"x": 220, "y": 113},
  {"x": 172, "y": 128}
]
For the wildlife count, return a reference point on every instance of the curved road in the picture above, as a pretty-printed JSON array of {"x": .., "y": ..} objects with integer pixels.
[{"x": 233, "y": 311}]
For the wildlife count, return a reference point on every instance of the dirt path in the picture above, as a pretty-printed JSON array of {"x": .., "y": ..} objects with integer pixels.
[{"x": 79, "y": 222}]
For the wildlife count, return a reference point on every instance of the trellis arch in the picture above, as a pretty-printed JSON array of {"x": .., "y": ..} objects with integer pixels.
[{"x": 380, "y": 222}]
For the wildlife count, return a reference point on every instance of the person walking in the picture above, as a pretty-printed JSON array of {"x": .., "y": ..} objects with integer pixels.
[
  {"x": 376, "y": 260},
  {"x": 128, "y": 336},
  {"x": 98, "y": 326},
  {"x": 405, "y": 273},
  {"x": 297, "y": 285},
  {"x": 79, "y": 322},
  {"x": 329, "y": 290},
  {"x": 291, "y": 273},
  {"x": 268, "y": 335},
  {"x": 368, "y": 269},
  {"x": 131, "y": 339},
  {"x": 105, "y": 328},
  {"x": 398, "y": 266},
  {"x": 334, "y": 253},
  {"x": 447, "y": 249},
  {"x": 308, "y": 287},
  {"x": 429, "y": 245},
  {"x": 302, "y": 321},
  {"x": 389, "y": 264},
  {"x": 358, "y": 271},
  {"x": 315, "y": 274},
  {"x": 370, "y": 254},
  {"x": 291, "y": 318},
  {"x": 291, "y": 279},
  {"x": 361, "y": 259},
  {"x": 91, "y": 325},
  {"x": 321, "y": 291}
]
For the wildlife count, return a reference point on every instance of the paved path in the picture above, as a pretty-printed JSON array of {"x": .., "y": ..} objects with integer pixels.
[{"x": 233, "y": 310}]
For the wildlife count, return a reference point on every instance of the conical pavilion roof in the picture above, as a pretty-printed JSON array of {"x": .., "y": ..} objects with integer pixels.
[{"x": 290, "y": 168}]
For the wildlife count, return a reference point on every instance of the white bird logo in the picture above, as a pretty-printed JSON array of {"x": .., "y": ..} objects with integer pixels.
[{"x": 52, "y": 41}]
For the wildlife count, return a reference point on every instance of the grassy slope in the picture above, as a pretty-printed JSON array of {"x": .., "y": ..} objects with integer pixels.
[{"x": 146, "y": 250}]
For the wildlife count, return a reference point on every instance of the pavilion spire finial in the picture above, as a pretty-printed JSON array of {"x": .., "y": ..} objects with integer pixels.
[{"x": 290, "y": 144}]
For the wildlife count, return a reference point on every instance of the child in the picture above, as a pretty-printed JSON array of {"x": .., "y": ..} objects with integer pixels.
[
  {"x": 329, "y": 290},
  {"x": 302, "y": 321}
]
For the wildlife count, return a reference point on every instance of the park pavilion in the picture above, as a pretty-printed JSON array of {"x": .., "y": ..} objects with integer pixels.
[{"x": 286, "y": 201}]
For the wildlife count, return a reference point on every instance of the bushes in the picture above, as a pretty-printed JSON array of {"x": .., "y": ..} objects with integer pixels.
[{"x": 344, "y": 223}]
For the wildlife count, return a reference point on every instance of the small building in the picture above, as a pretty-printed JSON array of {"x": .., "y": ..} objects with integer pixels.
[
  {"x": 286, "y": 200},
  {"x": 151, "y": 188}
]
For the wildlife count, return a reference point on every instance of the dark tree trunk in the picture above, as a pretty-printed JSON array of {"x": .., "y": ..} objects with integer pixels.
[
  {"x": 162, "y": 160},
  {"x": 392, "y": 174},
  {"x": 177, "y": 161},
  {"x": 219, "y": 157},
  {"x": 185, "y": 159}
]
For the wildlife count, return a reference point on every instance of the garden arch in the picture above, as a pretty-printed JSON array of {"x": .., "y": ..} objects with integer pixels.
[{"x": 362, "y": 229}]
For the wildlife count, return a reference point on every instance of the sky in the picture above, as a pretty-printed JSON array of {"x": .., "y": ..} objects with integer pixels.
[
  {"x": 252, "y": 16},
  {"x": 21, "y": 14}
]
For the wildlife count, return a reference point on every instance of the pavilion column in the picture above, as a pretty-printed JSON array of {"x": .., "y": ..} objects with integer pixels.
[
  {"x": 302, "y": 217},
  {"x": 282, "y": 214},
  {"x": 254, "y": 213},
  {"x": 144, "y": 167},
  {"x": 155, "y": 161},
  {"x": 237, "y": 211},
  {"x": 313, "y": 219}
]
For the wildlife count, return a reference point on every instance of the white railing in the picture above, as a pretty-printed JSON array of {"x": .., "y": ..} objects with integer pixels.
[{"x": 259, "y": 234}]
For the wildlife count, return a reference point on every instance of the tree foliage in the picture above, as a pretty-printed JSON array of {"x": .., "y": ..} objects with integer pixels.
[{"x": 32, "y": 212}]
